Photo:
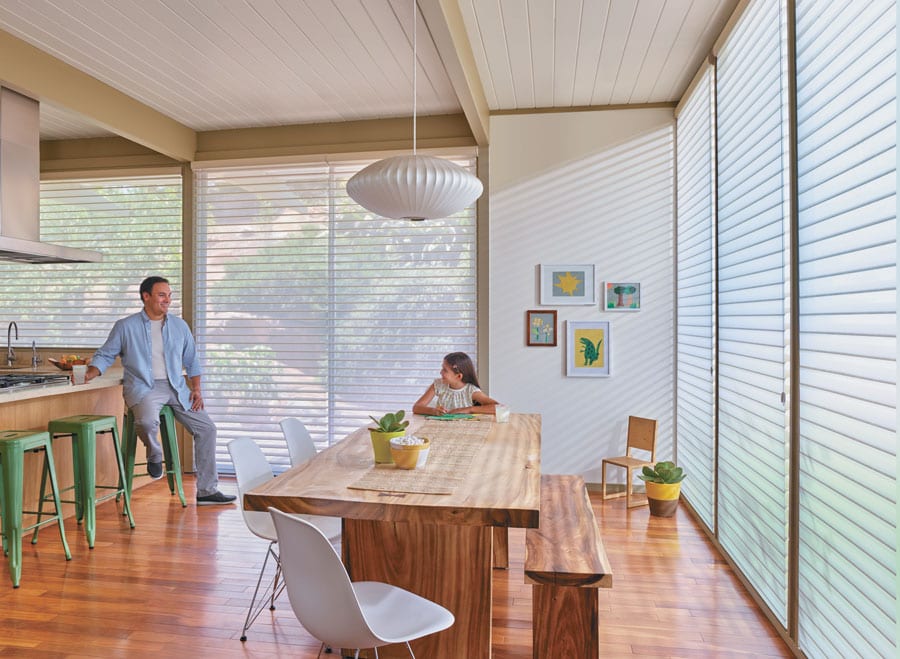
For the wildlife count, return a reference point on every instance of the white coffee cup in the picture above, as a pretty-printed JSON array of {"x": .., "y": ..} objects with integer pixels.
[
  {"x": 78, "y": 373},
  {"x": 501, "y": 414}
]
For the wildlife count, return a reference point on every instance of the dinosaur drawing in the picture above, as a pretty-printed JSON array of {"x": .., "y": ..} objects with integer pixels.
[{"x": 591, "y": 352}]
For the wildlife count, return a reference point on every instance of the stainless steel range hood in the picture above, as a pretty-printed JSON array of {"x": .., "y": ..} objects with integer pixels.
[{"x": 20, "y": 187}]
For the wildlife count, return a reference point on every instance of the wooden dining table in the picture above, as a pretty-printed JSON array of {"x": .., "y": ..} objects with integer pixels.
[{"x": 437, "y": 545}]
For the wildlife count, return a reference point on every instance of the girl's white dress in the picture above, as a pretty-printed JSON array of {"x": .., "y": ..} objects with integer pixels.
[{"x": 453, "y": 399}]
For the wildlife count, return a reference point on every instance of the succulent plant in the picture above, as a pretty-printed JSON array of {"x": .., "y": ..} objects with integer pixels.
[
  {"x": 663, "y": 472},
  {"x": 390, "y": 422}
]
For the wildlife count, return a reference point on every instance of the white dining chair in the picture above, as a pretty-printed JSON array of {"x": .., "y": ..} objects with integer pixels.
[
  {"x": 341, "y": 613},
  {"x": 301, "y": 447},
  {"x": 252, "y": 470}
]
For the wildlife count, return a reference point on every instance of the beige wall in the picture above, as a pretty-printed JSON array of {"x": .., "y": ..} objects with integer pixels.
[{"x": 584, "y": 188}]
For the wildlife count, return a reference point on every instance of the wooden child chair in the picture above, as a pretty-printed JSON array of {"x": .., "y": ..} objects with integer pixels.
[{"x": 641, "y": 437}]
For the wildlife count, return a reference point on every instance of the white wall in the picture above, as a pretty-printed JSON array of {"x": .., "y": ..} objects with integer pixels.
[{"x": 584, "y": 187}]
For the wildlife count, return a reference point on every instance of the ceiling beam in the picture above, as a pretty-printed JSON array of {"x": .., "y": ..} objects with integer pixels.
[
  {"x": 38, "y": 75},
  {"x": 348, "y": 137},
  {"x": 445, "y": 23}
]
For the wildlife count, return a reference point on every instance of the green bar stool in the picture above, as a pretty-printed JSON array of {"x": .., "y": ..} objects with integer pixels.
[
  {"x": 13, "y": 445},
  {"x": 84, "y": 429},
  {"x": 169, "y": 446}
]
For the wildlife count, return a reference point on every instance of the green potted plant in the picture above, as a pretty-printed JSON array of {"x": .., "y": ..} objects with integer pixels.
[
  {"x": 387, "y": 427},
  {"x": 663, "y": 487}
]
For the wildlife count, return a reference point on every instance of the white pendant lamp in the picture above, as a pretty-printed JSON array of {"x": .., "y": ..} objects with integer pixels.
[{"x": 414, "y": 187}]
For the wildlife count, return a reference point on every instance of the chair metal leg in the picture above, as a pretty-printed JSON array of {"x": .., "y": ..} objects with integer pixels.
[{"x": 271, "y": 593}]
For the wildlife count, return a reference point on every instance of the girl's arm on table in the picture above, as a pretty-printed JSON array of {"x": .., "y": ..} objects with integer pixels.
[{"x": 422, "y": 407}]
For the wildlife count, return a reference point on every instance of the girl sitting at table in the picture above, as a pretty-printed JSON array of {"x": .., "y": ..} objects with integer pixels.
[{"x": 457, "y": 391}]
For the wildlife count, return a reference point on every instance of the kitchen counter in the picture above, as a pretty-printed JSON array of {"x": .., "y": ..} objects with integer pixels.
[{"x": 112, "y": 378}]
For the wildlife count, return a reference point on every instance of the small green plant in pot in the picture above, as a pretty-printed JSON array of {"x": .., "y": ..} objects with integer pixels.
[
  {"x": 663, "y": 487},
  {"x": 387, "y": 427}
]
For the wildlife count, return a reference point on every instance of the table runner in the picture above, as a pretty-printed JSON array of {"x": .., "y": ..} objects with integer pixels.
[{"x": 453, "y": 446}]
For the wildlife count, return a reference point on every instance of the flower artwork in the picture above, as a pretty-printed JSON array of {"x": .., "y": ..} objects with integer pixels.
[{"x": 541, "y": 327}]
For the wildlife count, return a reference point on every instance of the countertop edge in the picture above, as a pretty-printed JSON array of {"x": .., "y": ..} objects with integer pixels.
[{"x": 111, "y": 378}]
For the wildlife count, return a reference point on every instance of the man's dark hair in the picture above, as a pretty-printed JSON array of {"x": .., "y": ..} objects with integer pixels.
[{"x": 148, "y": 284}]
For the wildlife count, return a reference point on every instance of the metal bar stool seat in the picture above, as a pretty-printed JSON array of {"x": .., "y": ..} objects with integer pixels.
[
  {"x": 169, "y": 446},
  {"x": 84, "y": 429},
  {"x": 13, "y": 445}
]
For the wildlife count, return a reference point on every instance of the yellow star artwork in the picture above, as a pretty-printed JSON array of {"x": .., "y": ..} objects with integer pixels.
[{"x": 567, "y": 283}]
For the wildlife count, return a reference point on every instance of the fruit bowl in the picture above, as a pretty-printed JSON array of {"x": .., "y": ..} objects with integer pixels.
[{"x": 66, "y": 364}]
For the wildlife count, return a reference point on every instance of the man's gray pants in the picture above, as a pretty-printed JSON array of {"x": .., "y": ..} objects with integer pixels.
[{"x": 146, "y": 423}]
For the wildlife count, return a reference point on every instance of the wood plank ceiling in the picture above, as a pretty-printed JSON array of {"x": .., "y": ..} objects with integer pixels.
[{"x": 212, "y": 65}]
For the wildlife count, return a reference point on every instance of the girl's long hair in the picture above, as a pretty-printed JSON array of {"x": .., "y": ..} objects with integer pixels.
[{"x": 462, "y": 364}]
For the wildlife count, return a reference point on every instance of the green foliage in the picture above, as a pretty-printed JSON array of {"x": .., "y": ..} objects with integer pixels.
[
  {"x": 664, "y": 472},
  {"x": 390, "y": 422}
]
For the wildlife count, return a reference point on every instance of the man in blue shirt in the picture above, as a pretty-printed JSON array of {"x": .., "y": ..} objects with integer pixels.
[{"x": 156, "y": 351}]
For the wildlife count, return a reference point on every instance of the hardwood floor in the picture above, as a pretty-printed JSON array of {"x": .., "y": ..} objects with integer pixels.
[{"x": 180, "y": 583}]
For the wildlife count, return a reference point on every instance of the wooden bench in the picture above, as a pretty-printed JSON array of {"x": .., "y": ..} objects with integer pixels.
[{"x": 566, "y": 563}]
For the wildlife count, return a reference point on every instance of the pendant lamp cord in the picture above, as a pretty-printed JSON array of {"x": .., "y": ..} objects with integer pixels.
[{"x": 415, "y": 67}]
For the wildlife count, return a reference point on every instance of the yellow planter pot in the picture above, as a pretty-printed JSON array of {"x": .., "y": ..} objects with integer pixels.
[
  {"x": 381, "y": 445},
  {"x": 663, "y": 498},
  {"x": 410, "y": 456}
]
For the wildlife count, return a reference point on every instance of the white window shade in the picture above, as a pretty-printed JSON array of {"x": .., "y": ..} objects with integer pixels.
[
  {"x": 134, "y": 221},
  {"x": 309, "y": 306},
  {"x": 695, "y": 336},
  {"x": 847, "y": 169},
  {"x": 753, "y": 257}
]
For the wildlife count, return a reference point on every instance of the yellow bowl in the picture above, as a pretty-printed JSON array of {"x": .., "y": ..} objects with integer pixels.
[{"x": 410, "y": 456}]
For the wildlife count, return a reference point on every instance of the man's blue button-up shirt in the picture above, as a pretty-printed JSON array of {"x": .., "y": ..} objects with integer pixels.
[{"x": 130, "y": 340}]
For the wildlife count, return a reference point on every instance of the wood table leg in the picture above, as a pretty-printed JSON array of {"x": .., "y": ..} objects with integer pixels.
[
  {"x": 565, "y": 622},
  {"x": 501, "y": 547},
  {"x": 448, "y": 564}
]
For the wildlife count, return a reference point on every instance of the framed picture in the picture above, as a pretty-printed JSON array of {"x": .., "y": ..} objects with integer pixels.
[
  {"x": 541, "y": 327},
  {"x": 568, "y": 284},
  {"x": 621, "y": 296},
  {"x": 588, "y": 349}
]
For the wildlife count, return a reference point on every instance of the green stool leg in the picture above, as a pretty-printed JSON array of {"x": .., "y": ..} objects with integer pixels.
[
  {"x": 12, "y": 463},
  {"x": 84, "y": 454},
  {"x": 40, "y": 510},
  {"x": 50, "y": 467},
  {"x": 170, "y": 452},
  {"x": 129, "y": 449},
  {"x": 118, "y": 448}
]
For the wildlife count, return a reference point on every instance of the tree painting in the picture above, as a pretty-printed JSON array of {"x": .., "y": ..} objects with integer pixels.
[{"x": 623, "y": 296}]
